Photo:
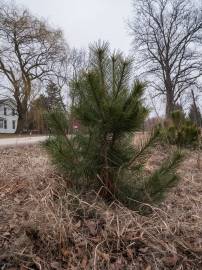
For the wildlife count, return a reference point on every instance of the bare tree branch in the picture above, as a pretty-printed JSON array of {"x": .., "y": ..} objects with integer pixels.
[
  {"x": 168, "y": 38},
  {"x": 30, "y": 51}
]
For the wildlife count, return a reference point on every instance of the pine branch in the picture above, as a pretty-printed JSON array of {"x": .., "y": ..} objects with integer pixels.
[
  {"x": 144, "y": 147},
  {"x": 163, "y": 178}
]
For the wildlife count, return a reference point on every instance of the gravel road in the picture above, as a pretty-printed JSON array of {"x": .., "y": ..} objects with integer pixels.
[{"x": 22, "y": 140}]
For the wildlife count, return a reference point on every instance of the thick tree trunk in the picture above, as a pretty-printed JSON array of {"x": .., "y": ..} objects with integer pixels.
[
  {"x": 170, "y": 106},
  {"x": 22, "y": 107},
  {"x": 21, "y": 126},
  {"x": 22, "y": 122}
]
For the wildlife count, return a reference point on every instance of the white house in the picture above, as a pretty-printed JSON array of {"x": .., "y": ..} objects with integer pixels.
[{"x": 8, "y": 116}]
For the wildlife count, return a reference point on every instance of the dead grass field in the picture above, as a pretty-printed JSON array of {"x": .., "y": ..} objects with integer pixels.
[{"x": 43, "y": 226}]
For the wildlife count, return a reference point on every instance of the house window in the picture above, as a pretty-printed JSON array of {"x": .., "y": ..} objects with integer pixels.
[
  {"x": 1, "y": 124},
  {"x": 5, "y": 124},
  {"x": 13, "y": 123},
  {"x": 13, "y": 112},
  {"x": 5, "y": 111}
]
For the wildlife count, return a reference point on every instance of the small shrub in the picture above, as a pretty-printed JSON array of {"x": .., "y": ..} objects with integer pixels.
[
  {"x": 110, "y": 109},
  {"x": 180, "y": 131},
  {"x": 194, "y": 115}
]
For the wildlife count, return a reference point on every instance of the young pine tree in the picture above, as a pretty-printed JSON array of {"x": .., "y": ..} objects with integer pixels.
[{"x": 109, "y": 107}]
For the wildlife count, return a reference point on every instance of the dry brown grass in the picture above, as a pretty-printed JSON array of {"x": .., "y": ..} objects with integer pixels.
[{"x": 44, "y": 226}]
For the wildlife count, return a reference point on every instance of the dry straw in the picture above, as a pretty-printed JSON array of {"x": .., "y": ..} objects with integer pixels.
[{"x": 45, "y": 226}]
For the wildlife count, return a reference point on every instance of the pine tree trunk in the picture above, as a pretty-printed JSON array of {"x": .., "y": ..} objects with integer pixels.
[{"x": 106, "y": 174}]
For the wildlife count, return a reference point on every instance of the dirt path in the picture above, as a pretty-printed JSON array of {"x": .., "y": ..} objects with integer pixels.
[{"x": 21, "y": 140}]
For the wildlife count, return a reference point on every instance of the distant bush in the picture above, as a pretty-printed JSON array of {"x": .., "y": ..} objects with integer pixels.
[
  {"x": 181, "y": 131},
  {"x": 195, "y": 115},
  {"x": 102, "y": 154}
]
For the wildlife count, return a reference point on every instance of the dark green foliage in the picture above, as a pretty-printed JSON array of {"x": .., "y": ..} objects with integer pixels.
[
  {"x": 181, "y": 131},
  {"x": 152, "y": 188},
  {"x": 110, "y": 109},
  {"x": 162, "y": 179},
  {"x": 36, "y": 119},
  {"x": 53, "y": 99},
  {"x": 58, "y": 122},
  {"x": 195, "y": 115}
]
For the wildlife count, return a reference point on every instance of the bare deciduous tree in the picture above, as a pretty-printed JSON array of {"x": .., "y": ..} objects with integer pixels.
[
  {"x": 29, "y": 51},
  {"x": 167, "y": 36},
  {"x": 69, "y": 70},
  {"x": 77, "y": 63}
]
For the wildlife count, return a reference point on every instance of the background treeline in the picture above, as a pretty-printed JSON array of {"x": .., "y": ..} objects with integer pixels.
[{"x": 167, "y": 44}]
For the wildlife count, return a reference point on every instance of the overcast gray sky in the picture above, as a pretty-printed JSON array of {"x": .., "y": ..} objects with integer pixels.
[{"x": 85, "y": 21}]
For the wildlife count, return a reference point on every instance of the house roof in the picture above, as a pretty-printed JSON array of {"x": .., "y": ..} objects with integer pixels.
[{"x": 4, "y": 100}]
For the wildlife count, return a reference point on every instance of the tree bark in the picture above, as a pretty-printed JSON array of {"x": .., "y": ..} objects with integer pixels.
[
  {"x": 20, "y": 125},
  {"x": 166, "y": 33},
  {"x": 169, "y": 104},
  {"x": 22, "y": 116},
  {"x": 106, "y": 173}
]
